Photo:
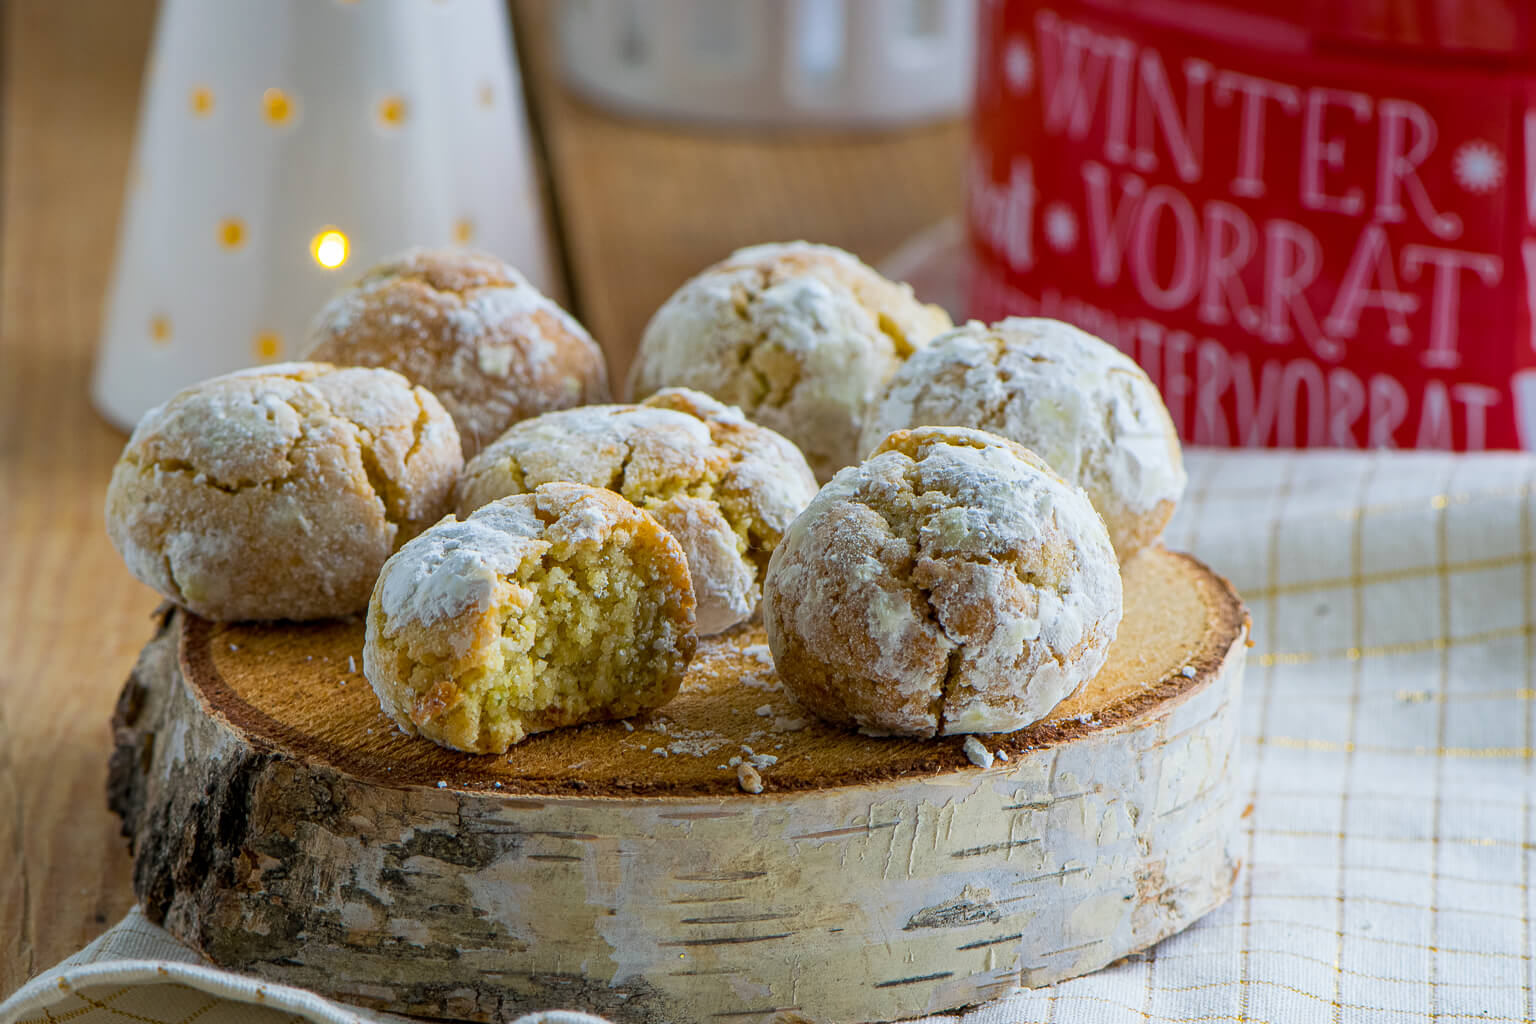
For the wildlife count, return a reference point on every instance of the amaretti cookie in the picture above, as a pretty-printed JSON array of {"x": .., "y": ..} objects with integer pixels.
[
  {"x": 278, "y": 493},
  {"x": 1074, "y": 400},
  {"x": 951, "y": 583},
  {"x": 801, "y": 337},
  {"x": 561, "y": 606},
  {"x": 472, "y": 329},
  {"x": 726, "y": 488}
]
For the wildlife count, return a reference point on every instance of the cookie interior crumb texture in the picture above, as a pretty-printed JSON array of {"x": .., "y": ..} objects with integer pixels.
[
  {"x": 801, "y": 337},
  {"x": 726, "y": 488},
  {"x": 552, "y": 608},
  {"x": 1076, "y": 401},
  {"x": 486, "y": 342},
  {"x": 952, "y": 583},
  {"x": 277, "y": 493}
]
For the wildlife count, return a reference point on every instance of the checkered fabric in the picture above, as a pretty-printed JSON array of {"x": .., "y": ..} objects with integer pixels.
[{"x": 1389, "y": 719}]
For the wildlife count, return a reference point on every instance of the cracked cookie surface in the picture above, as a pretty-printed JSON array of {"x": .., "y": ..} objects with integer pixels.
[
  {"x": 800, "y": 337},
  {"x": 951, "y": 583},
  {"x": 277, "y": 493},
  {"x": 471, "y": 329},
  {"x": 1074, "y": 400},
  {"x": 559, "y": 606},
  {"x": 725, "y": 487}
]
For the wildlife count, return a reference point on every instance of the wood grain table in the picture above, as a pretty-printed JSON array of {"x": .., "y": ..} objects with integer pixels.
[{"x": 638, "y": 209}]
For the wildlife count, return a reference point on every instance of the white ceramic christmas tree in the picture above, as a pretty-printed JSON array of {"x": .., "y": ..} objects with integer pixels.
[{"x": 286, "y": 145}]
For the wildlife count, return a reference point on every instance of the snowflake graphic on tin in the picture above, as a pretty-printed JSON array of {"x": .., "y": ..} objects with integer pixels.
[
  {"x": 1479, "y": 167},
  {"x": 1061, "y": 227},
  {"x": 1018, "y": 66}
]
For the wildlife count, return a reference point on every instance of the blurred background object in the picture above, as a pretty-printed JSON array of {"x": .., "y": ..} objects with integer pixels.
[
  {"x": 788, "y": 63},
  {"x": 1313, "y": 224},
  {"x": 283, "y": 147}
]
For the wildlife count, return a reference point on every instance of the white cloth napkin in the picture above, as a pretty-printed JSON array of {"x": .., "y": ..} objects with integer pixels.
[{"x": 1389, "y": 719}]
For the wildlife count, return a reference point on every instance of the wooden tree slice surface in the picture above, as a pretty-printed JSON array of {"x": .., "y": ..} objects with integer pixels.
[{"x": 284, "y": 827}]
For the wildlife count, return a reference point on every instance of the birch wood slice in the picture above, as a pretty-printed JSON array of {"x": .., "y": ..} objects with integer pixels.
[{"x": 282, "y": 826}]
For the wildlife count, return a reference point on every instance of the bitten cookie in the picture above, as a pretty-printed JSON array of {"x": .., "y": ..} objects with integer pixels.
[
  {"x": 541, "y": 610},
  {"x": 726, "y": 488},
  {"x": 952, "y": 583},
  {"x": 801, "y": 337},
  {"x": 278, "y": 493},
  {"x": 469, "y": 327},
  {"x": 1074, "y": 400}
]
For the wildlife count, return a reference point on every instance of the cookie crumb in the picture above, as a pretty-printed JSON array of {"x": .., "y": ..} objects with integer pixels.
[
  {"x": 748, "y": 778},
  {"x": 764, "y": 710},
  {"x": 978, "y": 755}
]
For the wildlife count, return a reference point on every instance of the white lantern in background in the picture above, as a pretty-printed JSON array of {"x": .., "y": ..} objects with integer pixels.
[
  {"x": 286, "y": 145},
  {"x": 782, "y": 63}
]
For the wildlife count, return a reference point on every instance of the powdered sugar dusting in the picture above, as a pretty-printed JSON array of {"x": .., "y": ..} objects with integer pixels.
[
  {"x": 473, "y": 330},
  {"x": 220, "y": 485},
  {"x": 718, "y": 484},
  {"x": 951, "y": 568},
  {"x": 491, "y": 313},
  {"x": 1079, "y": 403},
  {"x": 456, "y": 567},
  {"x": 697, "y": 746},
  {"x": 803, "y": 337}
]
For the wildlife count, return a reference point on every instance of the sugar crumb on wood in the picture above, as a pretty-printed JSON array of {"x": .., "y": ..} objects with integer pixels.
[
  {"x": 750, "y": 757},
  {"x": 759, "y": 653},
  {"x": 976, "y": 753}
]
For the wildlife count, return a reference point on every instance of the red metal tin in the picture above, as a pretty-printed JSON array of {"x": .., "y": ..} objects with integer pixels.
[{"x": 1314, "y": 223}]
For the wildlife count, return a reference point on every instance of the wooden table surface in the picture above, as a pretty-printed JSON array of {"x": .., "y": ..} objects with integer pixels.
[{"x": 639, "y": 209}]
